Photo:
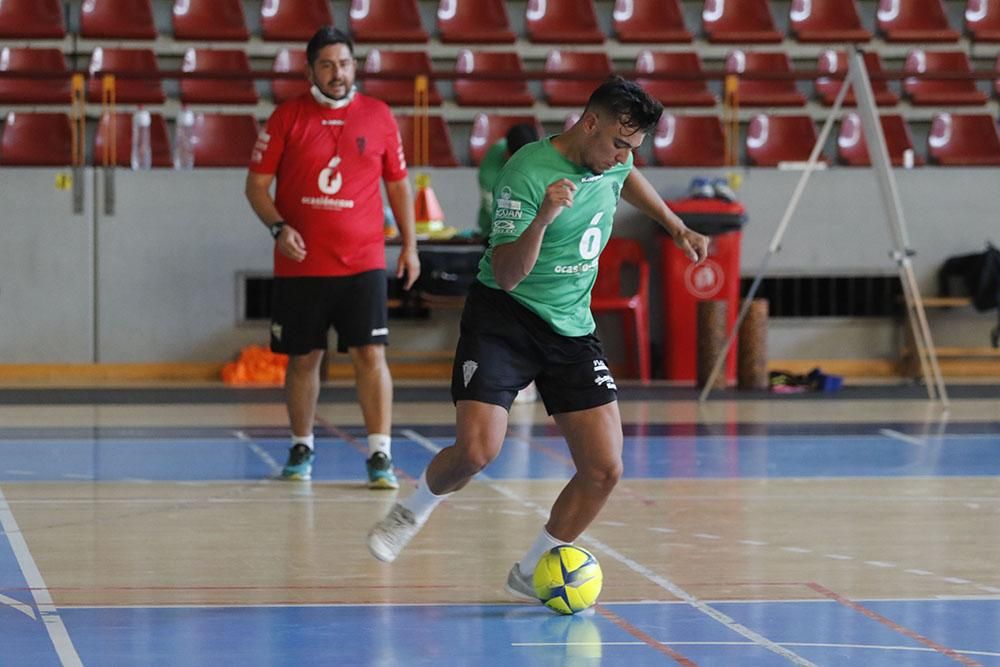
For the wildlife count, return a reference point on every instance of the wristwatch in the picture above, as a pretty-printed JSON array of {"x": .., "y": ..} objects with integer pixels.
[{"x": 276, "y": 228}]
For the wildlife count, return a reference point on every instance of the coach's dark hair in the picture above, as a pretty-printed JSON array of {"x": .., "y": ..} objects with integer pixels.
[
  {"x": 628, "y": 102},
  {"x": 520, "y": 135},
  {"x": 326, "y": 36}
]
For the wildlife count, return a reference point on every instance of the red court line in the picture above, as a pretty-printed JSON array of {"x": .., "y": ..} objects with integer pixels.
[
  {"x": 643, "y": 637},
  {"x": 356, "y": 444},
  {"x": 892, "y": 625}
]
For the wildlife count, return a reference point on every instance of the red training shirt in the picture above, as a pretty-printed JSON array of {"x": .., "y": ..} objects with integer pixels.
[{"x": 328, "y": 164}]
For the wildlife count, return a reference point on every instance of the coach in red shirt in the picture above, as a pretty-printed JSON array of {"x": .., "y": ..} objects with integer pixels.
[{"x": 328, "y": 149}]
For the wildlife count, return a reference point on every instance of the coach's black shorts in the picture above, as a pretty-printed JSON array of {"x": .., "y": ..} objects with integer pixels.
[
  {"x": 503, "y": 346},
  {"x": 304, "y": 309}
]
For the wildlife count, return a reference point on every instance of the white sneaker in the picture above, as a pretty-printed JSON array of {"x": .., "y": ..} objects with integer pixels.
[
  {"x": 388, "y": 537},
  {"x": 519, "y": 585}
]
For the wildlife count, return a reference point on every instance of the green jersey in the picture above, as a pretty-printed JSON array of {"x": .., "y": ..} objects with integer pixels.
[
  {"x": 558, "y": 287},
  {"x": 489, "y": 170}
]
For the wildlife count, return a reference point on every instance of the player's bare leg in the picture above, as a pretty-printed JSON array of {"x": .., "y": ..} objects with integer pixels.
[
  {"x": 374, "y": 387},
  {"x": 301, "y": 393}
]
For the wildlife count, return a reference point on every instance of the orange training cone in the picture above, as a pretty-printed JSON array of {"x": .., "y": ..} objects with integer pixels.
[{"x": 427, "y": 212}]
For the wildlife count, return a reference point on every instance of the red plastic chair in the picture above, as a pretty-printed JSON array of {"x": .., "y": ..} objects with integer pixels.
[
  {"x": 474, "y": 22},
  {"x": 608, "y": 297},
  {"x": 982, "y": 20},
  {"x": 689, "y": 141},
  {"x": 159, "y": 140},
  {"x": 739, "y": 21},
  {"x": 574, "y": 92},
  {"x": 288, "y": 60},
  {"x": 826, "y": 21},
  {"x": 674, "y": 92},
  {"x": 772, "y": 140},
  {"x": 37, "y": 140},
  {"x": 224, "y": 140},
  {"x": 835, "y": 62},
  {"x": 764, "y": 92},
  {"x": 127, "y": 90},
  {"x": 562, "y": 22},
  {"x": 963, "y": 140},
  {"x": 649, "y": 21},
  {"x": 117, "y": 19},
  {"x": 439, "y": 145},
  {"x": 386, "y": 21},
  {"x": 32, "y": 19},
  {"x": 914, "y": 21},
  {"x": 852, "y": 147},
  {"x": 214, "y": 20},
  {"x": 293, "y": 20},
  {"x": 33, "y": 91},
  {"x": 501, "y": 92},
  {"x": 398, "y": 91},
  {"x": 935, "y": 92},
  {"x": 487, "y": 129},
  {"x": 217, "y": 91}
]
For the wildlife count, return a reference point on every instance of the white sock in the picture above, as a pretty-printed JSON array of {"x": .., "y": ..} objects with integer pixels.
[
  {"x": 543, "y": 543},
  {"x": 422, "y": 501},
  {"x": 306, "y": 440},
  {"x": 378, "y": 442}
]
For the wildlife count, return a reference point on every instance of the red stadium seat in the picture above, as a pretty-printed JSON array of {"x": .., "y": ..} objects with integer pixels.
[
  {"x": 772, "y": 140},
  {"x": 966, "y": 140},
  {"x": 996, "y": 82},
  {"x": 474, "y": 22},
  {"x": 288, "y": 60},
  {"x": 674, "y": 92},
  {"x": 835, "y": 62},
  {"x": 608, "y": 296},
  {"x": 982, "y": 20},
  {"x": 689, "y": 141},
  {"x": 935, "y": 92},
  {"x": 487, "y": 129},
  {"x": 210, "y": 20},
  {"x": 852, "y": 148},
  {"x": 574, "y": 92},
  {"x": 562, "y": 22},
  {"x": 217, "y": 91},
  {"x": 914, "y": 21},
  {"x": 739, "y": 21},
  {"x": 33, "y": 91},
  {"x": 37, "y": 140},
  {"x": 159, "y": 140},
  {"x": 127, "y": 90},
  {"x": 649, "y": 21},
  {"x": 224, "y": 140},
  {"x": 117, "y": 19},
  {"x": 398, "y": 91},
  {"x": 386, "y": 21},
  {"x": 827, "y": 21},
  {"x": 440, "y": 153},
  {"x": 500, "y": 92},
  {"x": 32, "y": 19},
  {"x": 293, "y": 20},
  {"x": 764, "y": 92}
]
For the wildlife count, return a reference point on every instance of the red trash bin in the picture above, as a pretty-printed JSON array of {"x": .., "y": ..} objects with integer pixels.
[{"x": 686, "y": 283}]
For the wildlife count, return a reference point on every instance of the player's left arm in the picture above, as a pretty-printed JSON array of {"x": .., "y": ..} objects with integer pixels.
[
  {"x": 400, "y": 198},
  {"x": 639, "y": 192}
]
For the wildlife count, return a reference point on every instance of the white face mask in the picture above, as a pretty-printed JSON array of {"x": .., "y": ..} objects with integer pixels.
[{"x": 329, "y": 101}]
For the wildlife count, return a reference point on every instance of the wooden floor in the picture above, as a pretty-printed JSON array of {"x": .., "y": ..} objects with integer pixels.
[{"x": 750, "y": 531}]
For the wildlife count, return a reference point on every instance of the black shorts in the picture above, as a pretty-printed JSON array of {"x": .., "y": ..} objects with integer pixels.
[
  {"x": 503, "y": 346},
  {"x": 304, "y": 309}
]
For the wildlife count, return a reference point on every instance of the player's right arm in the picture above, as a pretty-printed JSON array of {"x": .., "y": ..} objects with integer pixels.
[{"x": 513, "y": 261}]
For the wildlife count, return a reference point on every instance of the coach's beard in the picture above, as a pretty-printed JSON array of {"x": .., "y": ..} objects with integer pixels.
[{"x": 332, "y": 102}]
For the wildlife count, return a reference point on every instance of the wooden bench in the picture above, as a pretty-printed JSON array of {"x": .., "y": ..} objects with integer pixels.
[{"x": 954, "y": 361}]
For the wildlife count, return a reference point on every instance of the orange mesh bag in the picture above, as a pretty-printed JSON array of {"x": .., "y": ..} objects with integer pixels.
[{"x": 256, "y": 365}]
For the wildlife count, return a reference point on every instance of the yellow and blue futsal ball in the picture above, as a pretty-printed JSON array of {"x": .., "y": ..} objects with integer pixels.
[{"x": 568, "y": 579}]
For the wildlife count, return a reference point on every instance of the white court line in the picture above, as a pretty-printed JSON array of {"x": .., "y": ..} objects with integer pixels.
[
  {"x": 43, "y": 600},
  {"x": 27, "y": 610},
  {"x": 259, "y": 451},
  {"x": 902, "y": 437},
  {"x": 873, "y": 647},
  {"x": 640, "y": 569}
]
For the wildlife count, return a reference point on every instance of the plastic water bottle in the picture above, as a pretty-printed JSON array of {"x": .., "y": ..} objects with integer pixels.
[
  {"x": 184, "y": 140},
  {"x": 142, "y": 151}
]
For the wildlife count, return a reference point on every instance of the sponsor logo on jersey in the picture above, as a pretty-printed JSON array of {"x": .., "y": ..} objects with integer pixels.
[
  {"x": 328, "y": 202},
  {"x": 582, "y": 267},
  {"x": 383, "y": 331},
  {"x": 330, "y": 180},
  {"x": 592, "y": 178},
  {"x": 504, "y": 227},
  {"x": 468, "y": 370},
  {"x": 504, "y": 201},
  {"x": 361, "y": 142},
  {"x": 599, "y": 365},
  {"x": 332, "y": 121},
  {"x": 607, "y": 381}
]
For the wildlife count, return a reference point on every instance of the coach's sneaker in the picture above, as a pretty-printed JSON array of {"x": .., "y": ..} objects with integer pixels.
[
  {"x": 380, "y": 473},
  {"x": 388, "y": 537},
  {"x": 519, "y": 585},
  {"x": 300, "y": 463}
]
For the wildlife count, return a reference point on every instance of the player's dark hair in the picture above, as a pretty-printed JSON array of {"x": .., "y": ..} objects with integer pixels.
[
  {"x": 326, "y": 36},
  {"x": 628, "y": 102},
  {"x": 520, "y": 135}
]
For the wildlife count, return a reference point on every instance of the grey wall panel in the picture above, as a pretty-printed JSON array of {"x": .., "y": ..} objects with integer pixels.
[{"x": 46, "y": 270}]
